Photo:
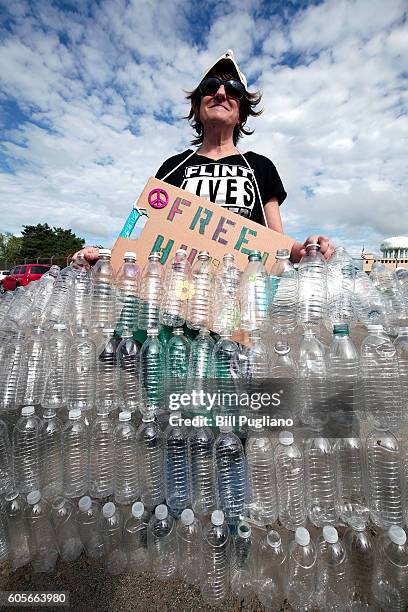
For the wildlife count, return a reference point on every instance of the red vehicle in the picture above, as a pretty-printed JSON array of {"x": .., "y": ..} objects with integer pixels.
[{"x": 22, "y": 275}]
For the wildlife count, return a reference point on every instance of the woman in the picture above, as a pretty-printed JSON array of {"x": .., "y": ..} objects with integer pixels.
[{"x": 247, "y": 184}]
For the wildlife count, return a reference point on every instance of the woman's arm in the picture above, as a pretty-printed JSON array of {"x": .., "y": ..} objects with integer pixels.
[{"x": 272, "y": 214}]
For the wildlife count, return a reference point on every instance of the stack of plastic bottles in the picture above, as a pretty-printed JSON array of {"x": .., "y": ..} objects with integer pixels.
[{"x": 100, "y": 456}]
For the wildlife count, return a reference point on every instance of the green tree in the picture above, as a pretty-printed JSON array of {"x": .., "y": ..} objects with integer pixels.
[
  {"x": 10, "y": 247},
  {"x": 43, "y": 242}
]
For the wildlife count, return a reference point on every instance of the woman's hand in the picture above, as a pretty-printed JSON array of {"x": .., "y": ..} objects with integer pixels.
[
  {"x": 91, "y": 254},
  {"x": 299, "y": 250}
]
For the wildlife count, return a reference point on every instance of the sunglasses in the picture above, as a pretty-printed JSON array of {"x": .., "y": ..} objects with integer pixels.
[{"x": 233, "y": 88}]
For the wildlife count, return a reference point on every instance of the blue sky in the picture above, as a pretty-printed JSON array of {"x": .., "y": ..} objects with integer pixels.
[{"x": 91, "y": 98}]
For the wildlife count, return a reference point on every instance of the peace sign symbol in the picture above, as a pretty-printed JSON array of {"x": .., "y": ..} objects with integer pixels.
[{"x": 158, "y": 198}]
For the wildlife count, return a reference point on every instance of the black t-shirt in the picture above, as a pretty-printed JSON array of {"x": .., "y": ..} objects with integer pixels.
[{"x": 227, "y": 181}]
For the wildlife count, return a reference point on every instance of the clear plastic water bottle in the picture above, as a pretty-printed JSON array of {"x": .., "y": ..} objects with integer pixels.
[
  {"x": 199, "y": 369},
  {"x": 106, "y": 371},
  {"x": 103, "y": 310},
  {"x": 51, "y": 461},
  {"x": 127, "y": 359},
  {"x": 284, "y": 294},
  {"x": 380, "y": 378},
  {"x": 332, "y": 571},
  {"x": 44, "y": 293},
  {"x": 112, "y": 526},
  {"x": 60, "y": 303},
  {"x": 177, "y": 362},
  {"x": 125, "y": 471},
  {"x": 391, "y": 575},
  {"x": 66, "y": 529},
  {"x": 320, "y": 481},
  {"x": 343, "y": 377},
  {"x": 10, "y": 371},
  {"x": 151, "y": 289},
  {"x": 401, "y": 347},
  {"x": 43, "y": 546},
  {"x": 162, "y": 543},
  {"x": 290, "y": 478},
  {"x": 368, "y": 303},
  {"x": 215, "y": 575},
  {"x": 75, "y": 455},
  {"x": 225, "y": 307},
  {"x": 6, "y": 473},
  {"x": 177, "y": 466},
  {"x": 34, "y": 369},
  {"x": 254, "y": 362},
  {"x": 101, "y": 455},
  {"x": 284, "y": 370},
  {"x": 177, "y": 290},
  {"x": 225, "y": 369},
  {"x": 152, "y": 373},
  {"x": 314, "y": 390},
  {"x": 150, "y": 449},
  {"x": 17, "y": 530},
  {"x": 56, "y": 388},
  {"x": 302, "y": 566},
  {"x": 189, "y": 540},
  {"x": 4, "y": 543},
  {"x": 203, "y": 486},
  {"x": 360, "y": 549},
  {"x": 312, "y": 287},
  {"x": 82, "y": 295},
  {"x": 231, "y": 472},
  {"x": 127, "y": 286},
  {"x": 402, "y": 280},
  {"x": 81, "y": 372},
  {"x": 254, "y": 294},
  {"x": 135, "y": 539},
  {"x": 198, "y": 309},
  {"x": 340, "y": 288},
  {"x": 19, "y": 313},
  {"x": 384, "y": 478},
  {"x": 26, "y": 451},
  {"x": 242, "y": 560},
  {"x": 262, "y": 506},
  {"x": 270, "y": 571},
  {"x": 88, "y": 520},
  {"x": 386, "y": 282},
  {"x": 351, "y": 496}
]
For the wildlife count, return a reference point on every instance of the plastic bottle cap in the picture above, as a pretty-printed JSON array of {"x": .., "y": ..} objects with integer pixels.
[
  {"x": 178, "y": 331},
  {"x": 125, "y": 416},
  {"x": 374, "y": 327},
  {"x": 85, "y": 503},
  {"x": 27, "y": 410},
  {"x": 217, "y": 517},
  {"x": 179, "y": 251},
  {"x": 286, "y": 438},
  {"x": 109, "y": 510},
  {"x": 130, "y": 255},
  {"x": 74, "y": 414},
  {"x": 154, "y": 255},
  {"x": 187, "y": 517},
  {"x": 273, "y": 538},
  {"x": 108, "y": 330},
  {"x": 281, "y": 348},
  {"x": 33, "y": 498},
  {"x": 153, "y": 331},
  {"x": 357, "y": 523},
  {"x": 148, "y": 418},
  {"x": 59, "y": 326},
  {"x": 244, "y": 530},
  {"x": 105, "y": 252},
  {"x": 137, "y": 509},
  {"x": 397, "y": 535},
  {"x": 58, "y": 502},
  {"x": 330, "y": 534},
  {"x": 282, "y": 254},
  {"x": 302, "y": 536},
  {"x": 11, "y": 495},
  {"x": 161, "y": 512},
  {"x": 312, "y": 244}
]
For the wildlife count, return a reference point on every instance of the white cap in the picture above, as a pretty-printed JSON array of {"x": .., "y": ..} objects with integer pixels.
[
  {"x": 374, "y": 327},
  {"x": 109, "y": 510},
  {"x": 33, "y": 497},
  {"x": 179, "y": 251},
  {"x": 85, "y": 503},
  {"x": 161, "y": 512},
  {"x": 125, "y": 416},
  {"x": 108, "y": 330},
  {"x": 244, "y": 530},
  {"x": 286, "y": 438},
  {"x": 217, "y": 517},
  {"x": 74, "y": 414},
  {"x": 302, "y": 536},
  {"x": 187, "y": 517},
  {"x": 59, "y": 326},
  {"x": 228, "y": 56},
  {"x": 137, "y": 509},
  {"x": 153, "y": 331},
  {"x": 130, "y": 255},
  {"x": 106, "y": 252},
  {"x": 27, "y": 410},
  {"x": 330, "y": 534},
  {"x": 397, "y": 535}
]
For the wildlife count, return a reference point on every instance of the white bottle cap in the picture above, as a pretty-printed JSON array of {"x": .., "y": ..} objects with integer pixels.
[
  {"x": 286, "y": 438},
  {"x": 58, "y": 502},
  {"x": 152, "y": 331},
  {"x": 109, "y": 510},
  {"x": 130, "y": 255},
  {"x": 108, "y": 330},
  {"x": 85, "y": 503},
  {"x": 244, "y": 530},
  {"x": 374, "y": 327},
  {"x": 161, "y": 512},
  {"x": 125, "y": 416},
  {"x": 74, "y": 414},
  {"x": 187, "y": 517},
  {"x": 137, "y": 509},
  {"x": 59, "y": 326},
  {"x": 302, "y": 536},
  {"x": 217, "y": 517},
  {"x": 27, "y": 410},
  {"x": 179, "y": 251},
  {"x": 33, "y": 498},
  {"x": 330, "y": 534},
  {"x": 397, "y": 535},
  {"x": 106, "y": 252}
]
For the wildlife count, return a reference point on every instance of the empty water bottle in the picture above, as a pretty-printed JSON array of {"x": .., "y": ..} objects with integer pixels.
[
  {"x": 10, "y": 373},
  {"x": 391, "y": 576},
  {"x": 284, "y": 294},
  {"x": 51, "y": 463},
  {"x": 199, "y": 370},
  {"x": 369, "y": 306},
  {"x": 59, "y": 305},
  {"x": 351, "y": 496},
  {"x": 127, "y": 286},
  {"x": 254, "y": 363},
  {"x": 26, "y": 451},
  {"x": 203, "y": 486},
  {"x": 162, "y": 543},
  {"x": 177, "y": 362},
  {"x": 225, "y": 307},
  {"x": 82, "y": 295},
  {"x": 4, "y": 543},
  {"x": 332, "y": 571},
  {"x": 401, "y": 346},
  {"x": 215, "y": 575},
  {"x": 343, "y": 377},
  {"x": 340, "y": 288},
  {"x": 198, "y": 309},
  {"x": 125, "y": 472},
  {"x": 127, "y": 358},
  {"x": 135, "y": 539},
  {"x": 312, "y": 369},
  {"x": 152, "y": 371},
  {"x": 75, "y": 455},
  {"x": 359, "y": 544},
  {"x": 189, "y": 537},
  {"x": 34, "y": 369},
  {"x": 81, "y": 377},
  {"x": 385, "y": 281},
  {"x": 111, "y": 526},
  {"x": 101, "y": 455},
  {"x": 231, "y": 471},
  {"x": 177, "y": 290},
  {"x": 6, "y": 474},
  {"x": 44, "y": 294},
  {"x": 312, "y": 287},
  {"x": 103, "y": 292},
  {"x": 66, "y": 529},
  {"x": 56, "y": 388},
  {"x": 284, "y": 370},
  {"x": 269, "y": 577},
  {"x": 320, "y": 481},
  {"x": 17, "y": 529},
  {"x": 150, "y": 448},
  {"x": 225, "y": 369},
  {"x": 242, "y": 560},
  {"x": 263, "y": 507},
  {"x": 107, "y": 371},
  {"x": 88, "y": 520},
  {"x": 177, "y": 466},
  {"x": 302, "y": 564},
  {"x": 43, "y": 546},
  {"x": 151, "y": 289},
  {"x": 254, "y": 294},
  {"x": 290, "y": 478}
]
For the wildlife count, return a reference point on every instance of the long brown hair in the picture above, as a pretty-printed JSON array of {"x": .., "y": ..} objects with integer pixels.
[{"x": 246, "y": 109}]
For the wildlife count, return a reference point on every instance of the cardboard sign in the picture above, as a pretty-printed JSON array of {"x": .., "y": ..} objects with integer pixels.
[{"x": 178, "y": 219}]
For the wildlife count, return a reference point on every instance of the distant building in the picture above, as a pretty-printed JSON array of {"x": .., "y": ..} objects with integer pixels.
[{"x": 394, "y": 254}]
